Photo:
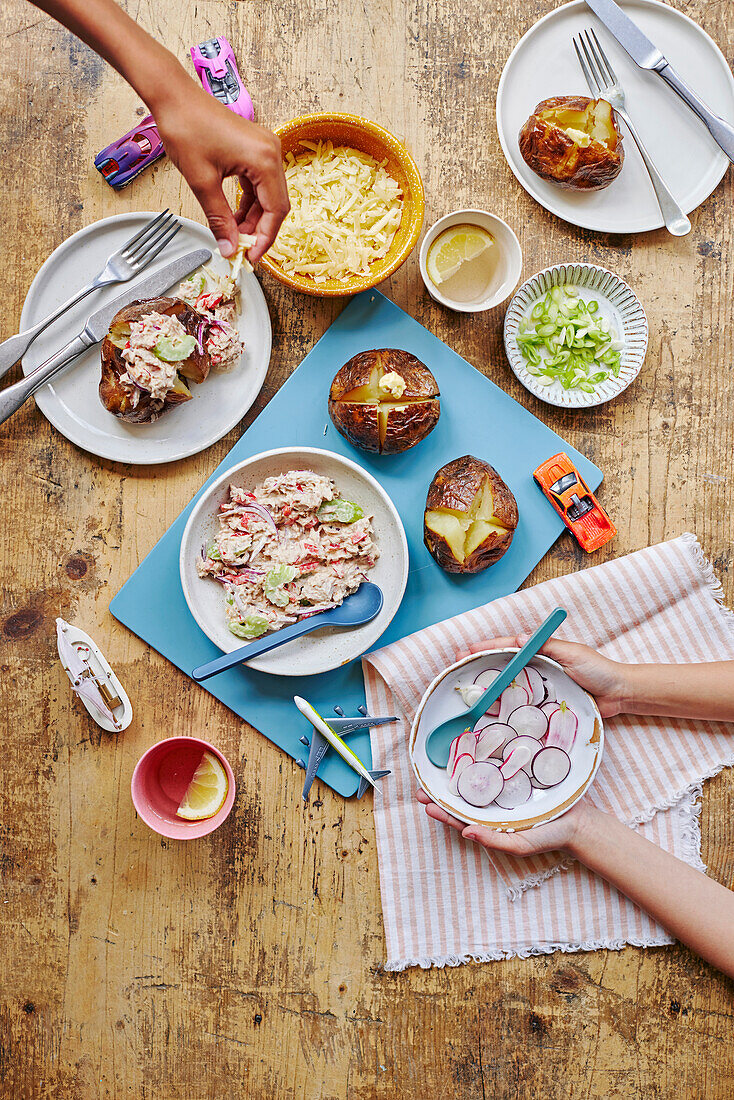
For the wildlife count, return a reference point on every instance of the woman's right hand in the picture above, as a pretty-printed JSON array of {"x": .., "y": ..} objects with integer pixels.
[{"x": 606, "y": 680}]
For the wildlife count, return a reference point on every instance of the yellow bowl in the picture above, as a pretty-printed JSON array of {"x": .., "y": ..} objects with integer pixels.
[{"x": 368, "y": 137}]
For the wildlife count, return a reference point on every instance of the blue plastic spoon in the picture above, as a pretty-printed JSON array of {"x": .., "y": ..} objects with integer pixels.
[
  {"x": 361, "y": 607},
  {"x": 439, "y": 739}
]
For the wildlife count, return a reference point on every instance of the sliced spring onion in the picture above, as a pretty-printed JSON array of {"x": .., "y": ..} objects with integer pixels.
[{"x": 565, "y": 339}]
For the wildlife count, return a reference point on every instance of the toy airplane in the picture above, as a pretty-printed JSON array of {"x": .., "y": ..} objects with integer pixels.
[
  {"x": 92, "y": 679},
  {"x": 325, "y": 734}
]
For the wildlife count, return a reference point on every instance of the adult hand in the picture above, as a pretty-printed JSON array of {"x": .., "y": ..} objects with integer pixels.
[
  {"x": 563, "y": 833},
  {"x": 208, "y": 143},
  {"x": 606, "y": 680}
]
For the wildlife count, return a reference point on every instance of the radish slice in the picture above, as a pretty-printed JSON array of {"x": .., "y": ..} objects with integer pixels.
[
  {"x": 515, "y": 792},
  {"x": 550, "y": 706},
  {"x": 508, "y": 734},
  {"x": 529, "y": 720},
  {"x": 523, "y": 681},
  {"x": 562, "y": 727},
  {"x": 540, "y": 786},
  {"x": 511, "y": 698},
  {"x": 550, "y": 691},
  {"x": 480, "y": 783},
  {"x": 467, "y": 743},
  {"x": 551, "y": 766},
  {"x": 470, "y": 693},
  {"x": 529, "y": 744},
  {"x": 484, "y": 680},
  {"x": 516, "y": 759},
  {"x": 536, "y": 685},
  {"x": 461, "y": 764},
  {"x": 490, "y": 741},
  {"x": 453, "y": 753},
  {"x": 487, "y": 678}
]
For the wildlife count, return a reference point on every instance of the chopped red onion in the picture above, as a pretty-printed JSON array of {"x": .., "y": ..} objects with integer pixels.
[{"x": 261, "y": 511}]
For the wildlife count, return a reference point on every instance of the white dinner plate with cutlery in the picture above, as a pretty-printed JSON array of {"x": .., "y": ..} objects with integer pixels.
[
  {"x": 544, "y": 64},
  {"x": 71, "y": 400}
]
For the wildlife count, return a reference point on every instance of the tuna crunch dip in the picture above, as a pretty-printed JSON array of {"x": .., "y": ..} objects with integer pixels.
[{"x": 290, "y": 548}]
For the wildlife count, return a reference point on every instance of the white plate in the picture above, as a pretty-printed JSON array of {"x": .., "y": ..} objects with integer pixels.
[
  {"x": 442, "y": 701},
  {"x": 71, "y": 401},
  {"x": 619, "y": 304},
  {"x": 544, "y": 64},
  {"x": 328, "y": 647}
]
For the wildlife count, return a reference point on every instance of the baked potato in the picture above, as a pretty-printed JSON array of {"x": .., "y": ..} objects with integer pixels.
[
  {"x": 470, "y": 516},
  {"x": 384, "y": 400},
  {"x": 573, "y": 141},
  {"x": 122, "y": 397}
]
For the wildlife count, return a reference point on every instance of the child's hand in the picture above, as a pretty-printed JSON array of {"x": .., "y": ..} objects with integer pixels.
[
  {"x": 559, "y": 834},
  {"x": 603, "y": 678}
]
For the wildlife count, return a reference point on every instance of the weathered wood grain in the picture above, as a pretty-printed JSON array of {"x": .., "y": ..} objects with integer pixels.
[{"x": 248, "y": 964}]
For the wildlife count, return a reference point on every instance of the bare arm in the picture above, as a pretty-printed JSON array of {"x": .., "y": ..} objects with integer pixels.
[
  {"x": 205, "y": 141},
  {"x": 704, "y": 690},
  {"x": 693, "y": 907}
]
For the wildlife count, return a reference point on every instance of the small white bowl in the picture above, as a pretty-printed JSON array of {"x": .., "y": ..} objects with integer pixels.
[
  {"x": 509, "y": 267},
  {"x": 622, "y": 307},
  {"x": 329, "y": 647},
  {"x": 441, "y": 701}
]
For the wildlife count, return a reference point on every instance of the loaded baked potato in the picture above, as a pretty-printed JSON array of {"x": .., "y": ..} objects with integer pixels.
[
  {"x": 470, "y": 516},
  {"x": 384, "y": 400},
  {"x": 141, "y": 388},
  {"x": 573, "y": 141}
]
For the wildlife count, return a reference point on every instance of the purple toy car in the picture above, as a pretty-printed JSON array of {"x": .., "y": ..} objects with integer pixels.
[
  {"x": 216, "y": 65},
  {"x": 125, "y": 158}
]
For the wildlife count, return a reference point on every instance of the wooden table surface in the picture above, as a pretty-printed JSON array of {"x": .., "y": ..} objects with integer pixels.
[{"x": 249, "y": 963}]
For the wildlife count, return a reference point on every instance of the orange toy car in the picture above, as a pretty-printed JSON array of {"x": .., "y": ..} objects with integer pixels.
[{"x": 575, "y": 503}]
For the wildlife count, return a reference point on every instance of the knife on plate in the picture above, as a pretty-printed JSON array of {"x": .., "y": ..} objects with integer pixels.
[
  {"x": 646, "y": 54},
  {"x": 97, "y": 327}
]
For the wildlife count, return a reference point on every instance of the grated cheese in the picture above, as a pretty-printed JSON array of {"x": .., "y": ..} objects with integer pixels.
[{"x": 345, "y": 212}]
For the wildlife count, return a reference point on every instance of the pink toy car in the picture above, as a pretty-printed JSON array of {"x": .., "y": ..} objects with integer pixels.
[
  {"x": 216, "y": 65},
  {"x": 124, "y": 159}
]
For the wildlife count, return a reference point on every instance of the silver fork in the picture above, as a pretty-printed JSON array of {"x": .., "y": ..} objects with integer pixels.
[
  {"x": 122, "y": 265},
  {"x": 603, "y": 84}
]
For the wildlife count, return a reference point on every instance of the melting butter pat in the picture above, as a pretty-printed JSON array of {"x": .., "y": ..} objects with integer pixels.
[{"x": 392, "y": 384}]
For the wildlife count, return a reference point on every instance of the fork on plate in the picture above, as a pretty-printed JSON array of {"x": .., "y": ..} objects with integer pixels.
[
  {"x": 604, "y": 84},
  {"x": 129, "y": 260}
]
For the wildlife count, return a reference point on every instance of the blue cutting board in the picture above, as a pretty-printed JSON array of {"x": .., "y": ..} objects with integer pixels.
[{"x": 476, "y": 418}]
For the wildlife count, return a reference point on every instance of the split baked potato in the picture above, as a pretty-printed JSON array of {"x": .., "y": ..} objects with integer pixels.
[
  {"x": 470, "y": 516},
  {"x": 119, "y": 396},
  {"x": 384, "y": 400},
  {"x": 573, "y": 141}
]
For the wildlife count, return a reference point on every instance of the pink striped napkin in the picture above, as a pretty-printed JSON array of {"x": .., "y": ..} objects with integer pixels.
[{"x": 445, "y": 901}]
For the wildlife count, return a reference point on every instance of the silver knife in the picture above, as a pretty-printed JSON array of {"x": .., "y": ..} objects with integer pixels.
[
  {"x": 97, "y": 327},
  {"x": 646, "y": 54}
]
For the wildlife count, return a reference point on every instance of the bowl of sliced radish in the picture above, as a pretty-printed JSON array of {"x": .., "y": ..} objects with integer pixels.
[{"x": 527, "y": 760}]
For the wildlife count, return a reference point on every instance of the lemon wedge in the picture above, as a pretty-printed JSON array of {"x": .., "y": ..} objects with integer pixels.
[
  {"x": 206, "y": 792},
  {"x": 454, "y": 247}
]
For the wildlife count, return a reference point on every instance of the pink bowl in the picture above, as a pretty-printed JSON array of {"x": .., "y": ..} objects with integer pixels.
[{"x": 161, "y": 776}]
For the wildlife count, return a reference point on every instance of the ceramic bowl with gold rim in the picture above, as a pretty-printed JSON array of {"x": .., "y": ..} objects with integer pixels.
[
  {"x": 368, "y": 137},
  {"x": 442, "y": 701}
]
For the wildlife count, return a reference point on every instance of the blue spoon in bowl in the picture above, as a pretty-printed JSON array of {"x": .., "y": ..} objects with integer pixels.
[
  {"x": 438, "y": 741},
  {"x": 359, "y": 608}
]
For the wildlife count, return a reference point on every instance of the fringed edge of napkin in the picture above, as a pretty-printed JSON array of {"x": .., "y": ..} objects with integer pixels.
[{"x": 496, "y": 954}]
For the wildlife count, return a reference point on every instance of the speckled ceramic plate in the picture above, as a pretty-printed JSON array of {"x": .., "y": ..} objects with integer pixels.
[
  {"x": 543, "y": 64},
  {"x": 617, "y": 302},
  {"x": 71, "y": 400},
  {"x": 329, "y": 647},
  {"x": 442, "y": 701}
]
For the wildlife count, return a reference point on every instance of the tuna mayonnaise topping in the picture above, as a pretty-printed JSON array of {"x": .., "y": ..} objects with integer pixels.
[
  {"x": 144, "y": 369},
  {"x": 291, "y": 547}
]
